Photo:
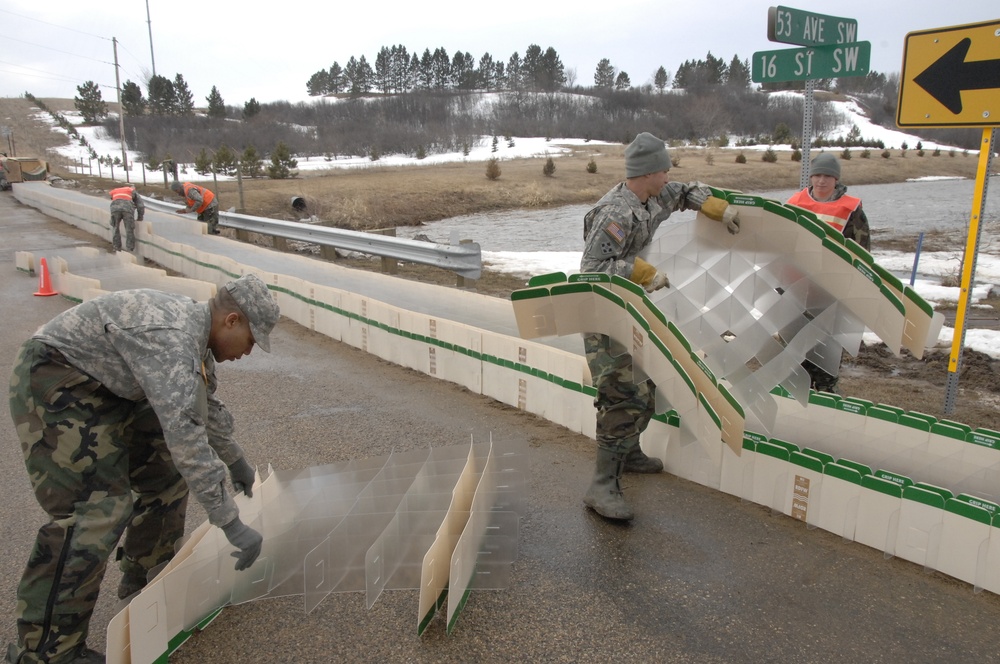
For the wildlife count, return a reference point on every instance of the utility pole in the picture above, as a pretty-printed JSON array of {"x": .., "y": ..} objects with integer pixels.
[
  {"x": 121, "y": 111},
  {"x": 149, "y": 24}
]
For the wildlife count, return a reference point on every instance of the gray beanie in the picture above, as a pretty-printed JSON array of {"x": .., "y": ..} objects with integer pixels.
[
  {"x": 646, "y": 154},
  {"x": 825, "y": 164}
]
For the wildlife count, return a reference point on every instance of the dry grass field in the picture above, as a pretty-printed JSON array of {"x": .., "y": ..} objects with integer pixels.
[
  {"x": 382, "y": 196},
  {"x": 379, "y": 197}
]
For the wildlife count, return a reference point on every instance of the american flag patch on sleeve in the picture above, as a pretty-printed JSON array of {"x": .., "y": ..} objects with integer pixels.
[{"x": 616, "y": 232}]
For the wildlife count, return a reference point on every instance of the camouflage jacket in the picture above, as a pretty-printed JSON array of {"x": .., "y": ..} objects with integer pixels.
[
  {"x": 619, "y": 227},
  {"x": 146, "y": 344}
]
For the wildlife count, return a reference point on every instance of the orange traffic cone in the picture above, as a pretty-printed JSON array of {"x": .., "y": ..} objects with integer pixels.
[{"x": 44, "y": 285}]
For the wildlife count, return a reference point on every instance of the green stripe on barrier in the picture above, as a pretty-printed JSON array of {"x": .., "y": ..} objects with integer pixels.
[
  {"x": 941, "y": 491},
  {"x": 913, "y": 297},
  {"x": 968, "y": 510},
  {"x": 781, "y": 210},
  {"x": 823, "y": 457},
  {"x": 923, "y": 496},
  {"x": 895, "y": 478},
  {"x": 888, "y": 278},
  {"x": 860, "y": 467},
  {"x": 772, "y": 450},
  {"x": 546, "y": 279},
  {"x": 882, "y": 486},
  {"x": 791, "y": 447},
  {"x": 806, "y": 461},
  {"x": 859, "y": 251},
  {"x": 567, "y": 289},
  {"x": 842, "y": 472}
]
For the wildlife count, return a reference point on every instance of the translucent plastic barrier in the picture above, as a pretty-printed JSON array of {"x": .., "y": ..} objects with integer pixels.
[{"x": 365, "y": 525}]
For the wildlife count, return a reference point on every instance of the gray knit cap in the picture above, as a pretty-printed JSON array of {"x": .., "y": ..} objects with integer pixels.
[
  {"x": 646, "y": 154},
  {"x": 256, "y": 303},
  {"x": 825, "y": 164}
]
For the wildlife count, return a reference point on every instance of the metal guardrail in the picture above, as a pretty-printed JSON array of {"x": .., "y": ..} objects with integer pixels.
[{"x": 465, "y": 260}]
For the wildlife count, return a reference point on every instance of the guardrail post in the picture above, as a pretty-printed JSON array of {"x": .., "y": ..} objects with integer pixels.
[
  {"x": 327, "y": 252},
  {"x": 462, "y": 282},
  {"x": 279, "y": 243},
  {"x": 389, "y": 265}
]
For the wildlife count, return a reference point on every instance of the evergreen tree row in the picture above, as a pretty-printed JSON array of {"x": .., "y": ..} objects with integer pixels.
[{"x": 396, "y": 71}]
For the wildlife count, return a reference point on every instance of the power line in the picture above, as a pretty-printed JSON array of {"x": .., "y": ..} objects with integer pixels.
[
  {"x": 75, "y": 55},
  {"x": 54, "y": 25}
]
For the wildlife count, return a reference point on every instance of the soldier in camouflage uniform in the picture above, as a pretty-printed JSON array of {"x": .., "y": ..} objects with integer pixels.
[
  {"x": 827, "y": 198},
  {"x": 616, "y": 230},
  {"x": 126, "y": 208},
  {"x": 114, "y": 403}
]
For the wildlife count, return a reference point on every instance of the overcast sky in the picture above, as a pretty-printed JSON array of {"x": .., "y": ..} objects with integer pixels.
[{"x": 269, "y": 50}]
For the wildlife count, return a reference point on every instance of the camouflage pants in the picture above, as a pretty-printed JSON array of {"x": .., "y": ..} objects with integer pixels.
[
  {"x": 126, "y": 217},
  {"x": 99, "y": 467},
  {"x": 211, "y": 217},
  {"x": 820, "y": 380},
  {"x": 623, "y": 408}
]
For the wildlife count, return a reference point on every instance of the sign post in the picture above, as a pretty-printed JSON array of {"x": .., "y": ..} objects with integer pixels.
[
  {"x": 951, "y": 78},
  {"x": 832, "y": 52}
]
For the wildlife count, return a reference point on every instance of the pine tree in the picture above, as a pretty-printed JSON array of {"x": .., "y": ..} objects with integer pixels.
[
  {"x": 336, "y": 84},
  {"x": 623, "y": 82},
  {"x": 225, "y": 160},
  {"x": 492, "y": 169},
  {"x": 203, "y": 163},
  {"x": 133, "y": 103},
  {"x": 281, "y": 163},
  {"x": 216, "y": 106},
  {"x": 250, "y": 163},
  {"x": 661, "y": 78},
  {"x": 318, "y": 84},
  {"x": 251, "y": 109},
  {"x": 549, "y": 168},
  {"x": 90, "y": 103},
  {"x": 604, "y": 77},
  {"x": 162, "y": 97},
  {"x": 183, "y": 99}
]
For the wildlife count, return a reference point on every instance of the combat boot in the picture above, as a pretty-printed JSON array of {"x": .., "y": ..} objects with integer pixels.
[
  {"x": 134, "y": 578},
  {"x": 636, "y": 461},
  {"x": 605, "y": 494}
]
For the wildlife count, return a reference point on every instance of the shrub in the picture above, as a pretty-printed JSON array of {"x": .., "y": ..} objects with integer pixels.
[
  {"x": 591, "y": 166},
  {"x": 675, "y": 160},
  {"x": 492, "y": 169},
  {"x": 549, "y": 168},
  {"x": 920, "y": 153},
  {"x": 421, "y": 152},
  {"x": 710, "y": 158},
  {"x": 741, "y": 158},
  {"x": 770, "y": 156},
  {"x": 937, "y": 152},
  {"x": 796, "y": 155},
  {"x": 866, "y": 154},
  {"x": 885, "y": 154},
  {"x": 846, "y": 154}
]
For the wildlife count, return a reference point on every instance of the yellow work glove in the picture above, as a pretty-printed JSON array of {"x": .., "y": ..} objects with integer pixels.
[
  {"x": 647, "y": 276},
  {"x": 720, "y": 210}
]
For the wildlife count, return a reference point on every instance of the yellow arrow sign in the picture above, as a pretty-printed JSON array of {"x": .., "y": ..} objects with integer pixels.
[{"x": 951, "y": 77}]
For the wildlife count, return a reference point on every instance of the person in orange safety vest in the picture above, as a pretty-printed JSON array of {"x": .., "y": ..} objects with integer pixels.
[
  {"x": 125, "y": 203},
  {"x": 200, "y": 200},
  {"x": 828, "y": 200}
]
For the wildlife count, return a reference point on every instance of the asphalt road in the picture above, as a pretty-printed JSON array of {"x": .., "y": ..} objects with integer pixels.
[{"x": 699, "y": 576}]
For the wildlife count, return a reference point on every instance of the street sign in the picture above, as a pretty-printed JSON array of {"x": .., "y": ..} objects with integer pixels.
[
  {"x": 794, "y": 26},
  {"x": 799, "y": 64},
  {"x": 951, "y": 77}
]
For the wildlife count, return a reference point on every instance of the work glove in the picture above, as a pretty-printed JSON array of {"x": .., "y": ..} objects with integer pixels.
[
  {"x": 242, "y": 475},
  {"x": 720, "y": 210},
  {"x": 244, "y": 538},
  {"x": 647, "y": 276},
  {"x": 695, "y": 195},
  {"x": 658, "y": 281}
]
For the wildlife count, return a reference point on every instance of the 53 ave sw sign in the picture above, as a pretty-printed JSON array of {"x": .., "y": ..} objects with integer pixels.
[
  {"x": 799, "y": 64},
  {"x": 951, "y": 77}
]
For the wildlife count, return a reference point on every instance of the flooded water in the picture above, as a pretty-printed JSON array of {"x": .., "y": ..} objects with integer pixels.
[{"x": 907, "y": 209}]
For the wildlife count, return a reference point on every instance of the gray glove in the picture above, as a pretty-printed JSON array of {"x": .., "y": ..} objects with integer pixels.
[
  {"x": 731, "y": 218},
  {"x": 658, "y": 281},
  {"x": 242, "y": 476},
  {"x": 244, "y": 538}
]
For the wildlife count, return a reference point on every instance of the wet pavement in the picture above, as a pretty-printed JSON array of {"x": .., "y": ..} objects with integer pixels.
[{"x": 699, "y": 576}]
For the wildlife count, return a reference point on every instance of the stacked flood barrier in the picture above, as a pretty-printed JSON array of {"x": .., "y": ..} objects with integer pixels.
[{"x": 724, "y": 346}]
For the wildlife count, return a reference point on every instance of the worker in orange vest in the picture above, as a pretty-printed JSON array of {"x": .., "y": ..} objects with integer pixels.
[
  {"x": 828, "y": 200},
  {"x": 200, "y": 200},
  {"x": 125, "y": 203}
]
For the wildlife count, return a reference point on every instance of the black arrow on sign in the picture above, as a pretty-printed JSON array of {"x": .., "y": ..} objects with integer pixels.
[{"x": 946, "y": 78}]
